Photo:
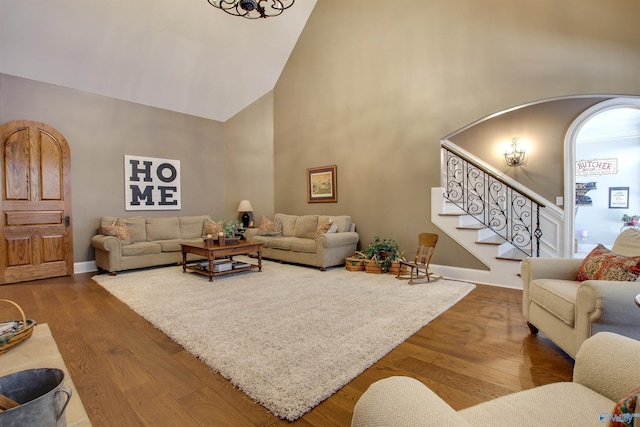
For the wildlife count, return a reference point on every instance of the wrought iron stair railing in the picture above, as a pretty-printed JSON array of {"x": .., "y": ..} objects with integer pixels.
[{"x": 492, "y": 201}]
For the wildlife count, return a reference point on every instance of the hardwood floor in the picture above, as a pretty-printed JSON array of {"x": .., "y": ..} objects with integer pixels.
[{"x": 130, "y": 374}]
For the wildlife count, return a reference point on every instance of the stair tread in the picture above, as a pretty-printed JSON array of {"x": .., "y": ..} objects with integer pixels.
[
  {"x": 513, "y": 255},
  {"x": 472, "y": 227},
  {"x": 453, "y": 213},
  {"x": 493, "y": 240}
]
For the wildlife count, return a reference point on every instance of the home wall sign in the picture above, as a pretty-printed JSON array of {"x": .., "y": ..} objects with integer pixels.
[
  {"x": 151, "y": 184},
  {"x": 597, "y": 167}
]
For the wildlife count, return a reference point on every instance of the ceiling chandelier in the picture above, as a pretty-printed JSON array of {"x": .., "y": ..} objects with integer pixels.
[{"x": 252, "y": 9}]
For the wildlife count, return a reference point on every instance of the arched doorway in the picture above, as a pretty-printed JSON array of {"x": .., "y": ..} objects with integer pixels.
[{"x": 602, "y": 157}]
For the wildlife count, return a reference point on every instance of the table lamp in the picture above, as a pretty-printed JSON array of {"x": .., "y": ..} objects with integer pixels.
[{"x": 245, "y": 207}]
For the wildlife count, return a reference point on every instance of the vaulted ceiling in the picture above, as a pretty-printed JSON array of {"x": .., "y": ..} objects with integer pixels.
[{"x": 179, "y": 55}]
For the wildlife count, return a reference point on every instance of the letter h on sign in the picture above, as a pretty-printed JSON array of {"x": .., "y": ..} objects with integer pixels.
[{"x": 151, "y": 184}]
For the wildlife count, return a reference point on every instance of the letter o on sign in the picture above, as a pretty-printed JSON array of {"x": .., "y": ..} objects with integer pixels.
[{"x": 162, "y": 171}]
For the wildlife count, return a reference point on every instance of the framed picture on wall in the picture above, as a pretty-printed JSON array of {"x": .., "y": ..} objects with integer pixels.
[
  {"x": 322, "y": 185},
  {"x": 618, "y": 197}
]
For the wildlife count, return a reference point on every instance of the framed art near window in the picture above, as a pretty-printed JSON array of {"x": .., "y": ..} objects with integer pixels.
[
  {"x": 618, "y": 197},
  {"x": 322, "y": 185}
]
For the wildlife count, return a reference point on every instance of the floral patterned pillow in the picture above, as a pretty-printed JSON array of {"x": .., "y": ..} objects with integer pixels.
[
  {"x": 602, "y": 264},
  {"x": 212, "y": 227},
  {"x": 269, "y": 227},
  {"x": 625, "y": 410},
  {"x": 119, "y": 231}
]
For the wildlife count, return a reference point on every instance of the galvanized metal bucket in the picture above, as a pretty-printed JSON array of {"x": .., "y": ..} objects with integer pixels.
[{"x": 42, "y": 397}]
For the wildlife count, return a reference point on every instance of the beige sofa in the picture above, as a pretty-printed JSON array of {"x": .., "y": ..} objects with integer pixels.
[
  {"x": 153, "y": 242},
  {"x": 297, "y": 241},
  {"x": 606, "y": 370},
  {"x": 569, "y": 311}
]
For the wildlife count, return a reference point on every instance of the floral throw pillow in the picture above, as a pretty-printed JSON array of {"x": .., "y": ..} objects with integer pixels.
[
  {"x": 119, "y": 231},
  {"x": 212, "y": 227},
  {"x": 326, "y": 227},
  {"x": 625, "y": 410},
  {"x": 602, "y": 264},
  {"x": 269, "y": 227}
]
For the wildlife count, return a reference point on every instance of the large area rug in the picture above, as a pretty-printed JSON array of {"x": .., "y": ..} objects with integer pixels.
[{"x": 289, "y": 336}]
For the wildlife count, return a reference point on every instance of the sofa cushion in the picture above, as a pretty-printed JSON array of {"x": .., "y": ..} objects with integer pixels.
[
  {"x": 306, "y": 226},
  {"x": 269, "y": 227},
  {"x": 603, "y": 264},
  {"x": 172, "y": 245},
  {"x": 137, "y": 226},
  {"x": 556, "y": 296},
  {"x": 556, "y": 404},
  {"x": 212, "y": 227},
  {"x": 163, "y": 228},
  {"x": 141, "y": 248},
  {"x": 191, "y": 226},
  {"x": 303, "y": 245},
  {"x": 120, "y": 231},
  {"x": 288, "y": 223},
  {"x": 283, "y": 243},
  {"x": 627, "y": 243},
  {"x": 266, "y": 240}
]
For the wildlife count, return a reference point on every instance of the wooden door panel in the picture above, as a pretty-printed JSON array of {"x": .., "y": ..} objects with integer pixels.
[
  {"x": 16, "y": 165},
  {"x": 18, "y": 251},
  {"x": 35, "y": 231},
  {"x": 52, "y": 248},
  {"x": 33, "y": 218},
  {"x": 50, "y": 168}
]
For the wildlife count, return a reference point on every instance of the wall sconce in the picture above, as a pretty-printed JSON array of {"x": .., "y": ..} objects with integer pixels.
[{"x": 515, "y": 157}]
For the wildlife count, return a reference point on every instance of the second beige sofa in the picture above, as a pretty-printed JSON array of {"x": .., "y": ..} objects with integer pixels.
[{"x": 297, "y": 242}]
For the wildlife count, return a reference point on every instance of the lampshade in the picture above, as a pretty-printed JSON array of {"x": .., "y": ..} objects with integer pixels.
[{"x": 245, "y": 206}]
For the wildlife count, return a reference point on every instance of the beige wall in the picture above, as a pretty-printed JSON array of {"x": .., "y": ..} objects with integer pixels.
[
  {"x": 373, "y": 86},
  {"x": 248, "y": 153},
  {"x": 541, "y": 128},
  {"x": 100, "y": 131}
]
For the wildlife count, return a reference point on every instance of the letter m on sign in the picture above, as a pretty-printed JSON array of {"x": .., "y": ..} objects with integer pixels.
[{"x": 151, "y": 184}]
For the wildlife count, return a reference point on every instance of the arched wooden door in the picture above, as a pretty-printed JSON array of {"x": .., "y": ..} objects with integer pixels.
[{"x": 35, "y": 230}]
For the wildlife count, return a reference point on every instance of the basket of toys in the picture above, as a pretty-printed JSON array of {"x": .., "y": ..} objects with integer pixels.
[{"x": 13, "y": 332}]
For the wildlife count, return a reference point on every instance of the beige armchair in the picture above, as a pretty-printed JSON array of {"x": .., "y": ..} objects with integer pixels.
[
  {"x": 568, "y": 311},
  {"x": 606, "y": 371}
]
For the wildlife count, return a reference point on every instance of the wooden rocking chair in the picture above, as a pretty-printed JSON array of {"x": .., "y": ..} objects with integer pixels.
[{"x": 420, "y": 264}]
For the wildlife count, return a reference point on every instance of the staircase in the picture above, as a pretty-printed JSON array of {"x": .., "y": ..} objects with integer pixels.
[
  {"x": 493, "y": 217},
  {"x": 501, "y": 257}
]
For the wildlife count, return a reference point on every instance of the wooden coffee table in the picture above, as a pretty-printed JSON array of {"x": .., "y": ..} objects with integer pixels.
[{"x": 214, "y": 251}]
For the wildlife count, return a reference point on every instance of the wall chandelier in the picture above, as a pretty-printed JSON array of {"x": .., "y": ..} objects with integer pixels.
[
  {"x": 252, "y": 9},
  {"x": 515, "y": 157}
]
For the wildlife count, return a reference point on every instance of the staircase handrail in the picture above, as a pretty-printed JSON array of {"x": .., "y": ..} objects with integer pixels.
[
  {"x": 496, "y": 216},
  {"x": 492, "y": 173}
]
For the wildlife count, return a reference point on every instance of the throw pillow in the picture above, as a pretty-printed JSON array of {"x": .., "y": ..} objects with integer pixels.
[
  {"x": 269, "y": 227},
  {"x": 602, "y": 264},
  {"x": 119, "y": 231},
  {"x": 323, "y": 228},
  {"x": 212, "y": 227},
  {"x": 623, "y": 413}
]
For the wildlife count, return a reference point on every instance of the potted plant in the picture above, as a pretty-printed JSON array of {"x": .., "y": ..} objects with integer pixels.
[
  {"x": 630, "y": 220},
  {"x": 381, "y": 253},
  {"x": 231, "y": 229}
]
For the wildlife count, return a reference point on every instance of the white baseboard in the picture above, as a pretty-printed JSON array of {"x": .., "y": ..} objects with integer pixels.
[
  {"x": 84, "y": 267},
  {"x": 467, "y": 275}
]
